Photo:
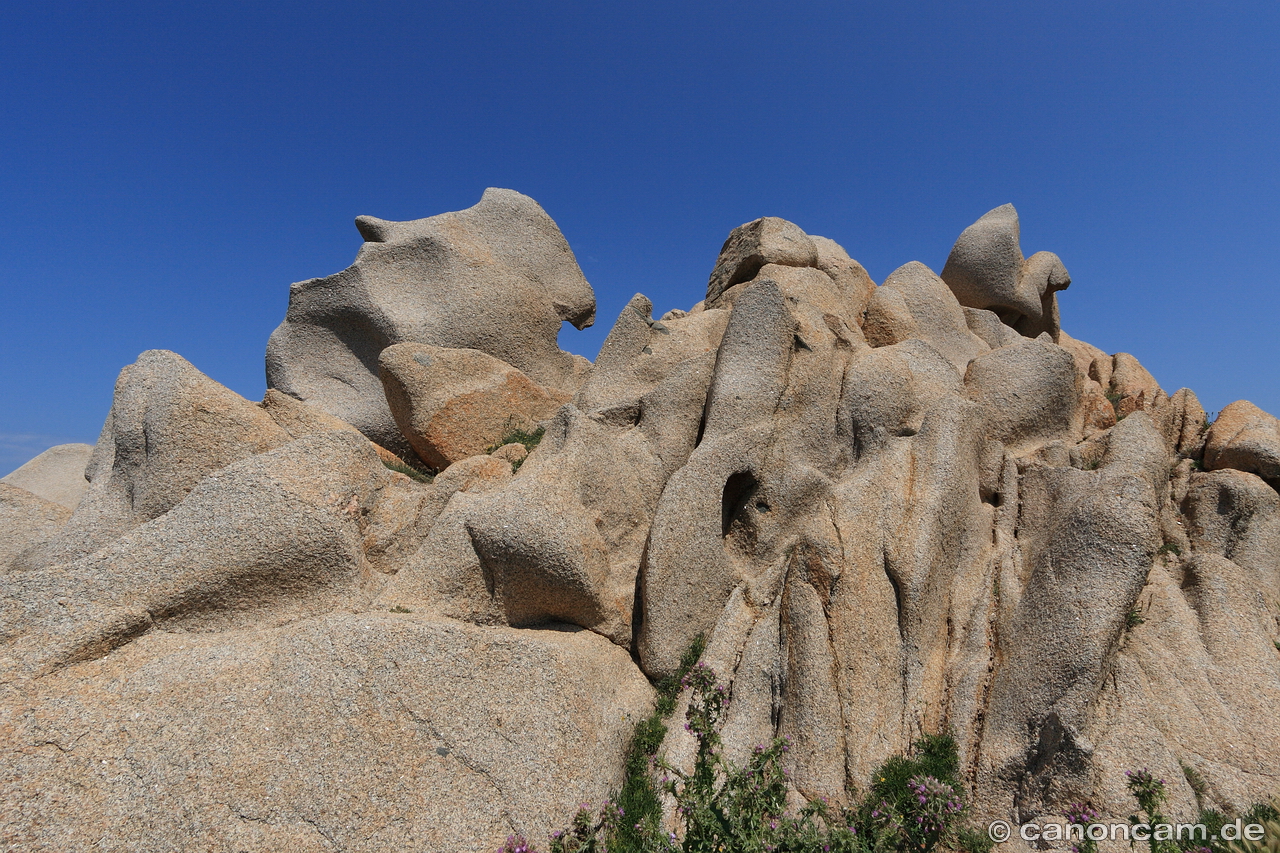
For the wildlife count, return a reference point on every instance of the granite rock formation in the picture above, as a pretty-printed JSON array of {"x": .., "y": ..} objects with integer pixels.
[
  {"x": 498, "y": 277},
  {"x": 892, "y": 510}
]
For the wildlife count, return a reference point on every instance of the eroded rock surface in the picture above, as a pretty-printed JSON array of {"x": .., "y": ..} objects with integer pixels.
[
  {"x": 498, "y": 277},
  {"x": 364, "y": 733},
  {"x": 986, "y": 269},
  {"x": 895, "y": 510}
]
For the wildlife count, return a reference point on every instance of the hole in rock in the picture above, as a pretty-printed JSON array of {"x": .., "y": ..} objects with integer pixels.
[{"x": 739, "y": 489}]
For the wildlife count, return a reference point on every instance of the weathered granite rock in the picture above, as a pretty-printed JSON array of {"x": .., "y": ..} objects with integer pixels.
[
  {"x": 169, "y": 427},
  {"x": 806, "y": 268},
  {"x": 749, "y": 247},
  {"x": 1028, "y": 392},
  {"x": 1235, "y": 515},
  {"x": 937, "y": 317},
  {"x": 1133, "y": 388},
  {"x": 452, "y": 404},
  {"x": 850, "y": 277},
  {"x": 565, "y": 540},
  {"x": 297, "y": 418},
  {"x": 26, "y": 520},
  {"x": 515, "y": 453},
  {"x": 986, "y": 325},
  {"x": 890, "y": 511},
  {"x": 265, "y": 541},
  {"x": 986, "y": 270},
  {"x": 888, "y": 319},
  {"x": 355, "y": 732},
  {"x": 56, "y": 475},
  {"x": 498, "y": 277},
  {"x": 1245, "y": 438}
]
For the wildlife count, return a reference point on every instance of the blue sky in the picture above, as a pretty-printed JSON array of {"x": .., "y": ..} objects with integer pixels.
[{"x": 169, "y": 169}]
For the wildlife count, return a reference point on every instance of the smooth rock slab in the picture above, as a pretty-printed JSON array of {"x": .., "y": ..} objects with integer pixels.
[
  {"x": 368, "y": 732},
  {"x": 56, "y": 475}
]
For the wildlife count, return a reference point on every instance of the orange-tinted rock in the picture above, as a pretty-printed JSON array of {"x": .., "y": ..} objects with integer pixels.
[{"x": 452, "y": 404}]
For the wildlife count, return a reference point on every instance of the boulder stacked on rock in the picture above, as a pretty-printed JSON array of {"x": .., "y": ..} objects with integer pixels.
[
  {"x": 890, "y": 511},
  {"x": 498, "y": 277},
  {"x": 986, "y": 270}
]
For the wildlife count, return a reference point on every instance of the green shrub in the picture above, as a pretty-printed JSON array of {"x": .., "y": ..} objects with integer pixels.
[
  {"x": 638, "y": 797},
  {"x": 913, "y": 804},
  {"x": 1199, "y": 786},
  {"x": 1151, "y": 795}
]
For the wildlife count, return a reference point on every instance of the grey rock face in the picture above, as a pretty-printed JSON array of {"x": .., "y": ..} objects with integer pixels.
[
  {"x": 986, "y": 270},
  {"x": 56, "y": 475},
  {"x": 498, "y": 277}
]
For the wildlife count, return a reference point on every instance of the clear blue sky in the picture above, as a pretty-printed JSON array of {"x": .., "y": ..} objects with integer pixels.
[{"x": 168, "y": 169}]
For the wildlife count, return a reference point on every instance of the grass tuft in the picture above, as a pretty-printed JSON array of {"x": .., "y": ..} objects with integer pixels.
[
  {"x": 409, "y": 471},
  {"x": 518, "y": 435}
]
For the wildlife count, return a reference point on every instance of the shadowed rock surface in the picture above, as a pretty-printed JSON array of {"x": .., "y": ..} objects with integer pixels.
[{"x": 896, "y": 510}]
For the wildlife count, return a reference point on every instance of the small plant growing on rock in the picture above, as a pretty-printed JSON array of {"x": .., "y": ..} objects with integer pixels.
[
  {"x": 1199, "y": 786},
  {"x": 913, "y": 805},
  {"x": 518, "y": 435},
  {"x": 1150, "y": 794},
  {"x": 1083, "y": 815},
  {"x": 408, "y": 470},
  {"x": 1133, "y": 619},
  {"x": 517, "y": 844}
]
